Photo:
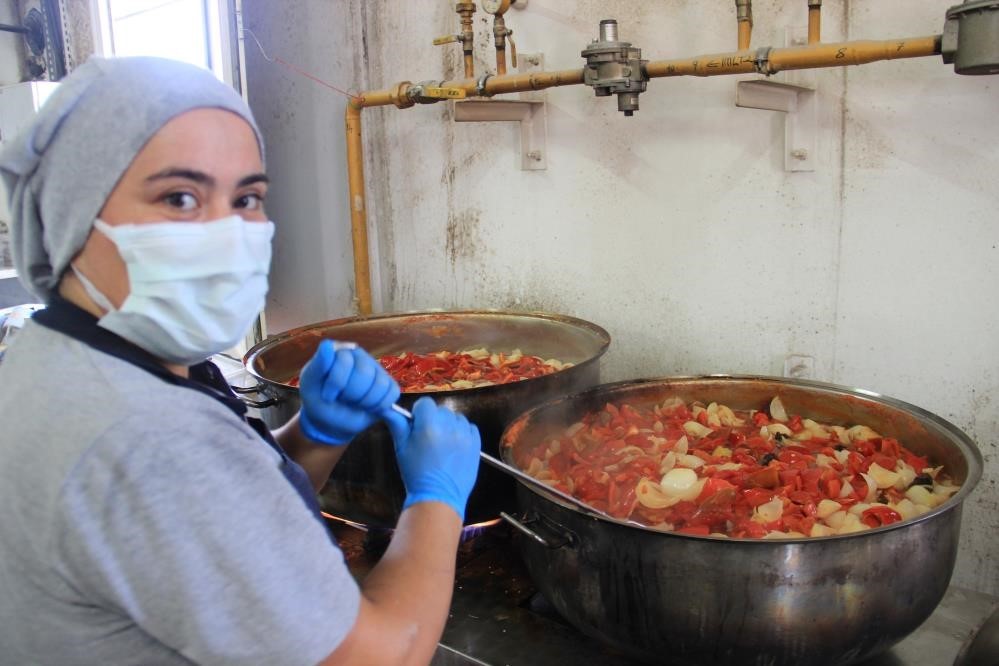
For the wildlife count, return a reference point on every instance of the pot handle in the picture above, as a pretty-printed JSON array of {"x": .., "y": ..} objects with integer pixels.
[
  {"x": 561, "y": 539},
  {"x": 242, "y": 392}
]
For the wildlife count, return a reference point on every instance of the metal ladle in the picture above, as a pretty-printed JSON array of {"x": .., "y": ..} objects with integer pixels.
[{"x": 526, "y": 478}]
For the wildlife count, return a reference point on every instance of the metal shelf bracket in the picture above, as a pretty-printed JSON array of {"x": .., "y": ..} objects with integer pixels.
[
  {"x": 792, "y": 93},
  {"x": 529, "y": 111}
]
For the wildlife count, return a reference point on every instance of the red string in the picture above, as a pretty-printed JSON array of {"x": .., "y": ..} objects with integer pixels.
[{"x": 299, "y": 70}]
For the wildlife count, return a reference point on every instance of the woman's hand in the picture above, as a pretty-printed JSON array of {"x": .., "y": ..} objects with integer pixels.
[
  {"x": 438, "y": 454},
  {"x": 343, "y": 392}
]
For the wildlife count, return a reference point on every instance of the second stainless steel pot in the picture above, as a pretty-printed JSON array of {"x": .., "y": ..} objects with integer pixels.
[
  {"x": 365, "y": 486},
  {"x": 676, "y": 599}
]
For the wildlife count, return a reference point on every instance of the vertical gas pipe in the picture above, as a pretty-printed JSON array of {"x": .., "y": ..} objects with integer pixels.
[
  {"x": 500, "y": 34},
  {"x": 744, "y": 15},
  {"x": 814, "y": 21},
  {"x": 358, "y": 214},
  {"x": 465, "y": 11}
]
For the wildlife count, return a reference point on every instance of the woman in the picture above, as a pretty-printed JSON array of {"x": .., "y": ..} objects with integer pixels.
[{"x": 146, "y": 519}]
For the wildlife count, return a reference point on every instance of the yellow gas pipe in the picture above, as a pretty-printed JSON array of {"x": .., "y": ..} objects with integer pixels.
[
  {"x": 465, "y": 11},
  {"x": 814, "y": 21},
  {"x": 744, "y": 16},
  {"x": 764, "y": 60}
]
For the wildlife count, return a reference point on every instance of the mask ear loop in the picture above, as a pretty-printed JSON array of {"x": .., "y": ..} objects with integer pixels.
[{"x": 95, "y": 294}]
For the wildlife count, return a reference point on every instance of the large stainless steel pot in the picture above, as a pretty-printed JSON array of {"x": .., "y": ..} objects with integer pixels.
[
  {"x": 671, "y": 598},
  {"x": 365, "y": 486}
]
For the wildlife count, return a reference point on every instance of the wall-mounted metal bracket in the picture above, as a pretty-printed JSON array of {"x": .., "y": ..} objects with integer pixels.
[
  {"x": 529, "y": 111},
  {"x": 792, "y": 93}
]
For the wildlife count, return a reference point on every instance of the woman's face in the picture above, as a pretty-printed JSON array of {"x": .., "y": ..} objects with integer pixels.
[{"x": 201, "y": 166}]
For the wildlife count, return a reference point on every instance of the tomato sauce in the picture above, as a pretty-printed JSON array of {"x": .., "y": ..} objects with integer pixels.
[
  {"x": 711, "y": 470},
  {"x": 447, "y": 371}
]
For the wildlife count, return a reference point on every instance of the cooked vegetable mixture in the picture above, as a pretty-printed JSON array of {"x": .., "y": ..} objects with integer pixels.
[{"x": 710, "y": 470}]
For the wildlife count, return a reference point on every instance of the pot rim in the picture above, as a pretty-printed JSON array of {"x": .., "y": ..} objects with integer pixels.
[
  {"x": 964, "y": 443},
  {"x": 273, "y": 341}
]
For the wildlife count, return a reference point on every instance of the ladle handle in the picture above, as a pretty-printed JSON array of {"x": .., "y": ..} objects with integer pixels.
[
  {"x": 540, "y": 485},
  {"x": 526, "y": 478}
]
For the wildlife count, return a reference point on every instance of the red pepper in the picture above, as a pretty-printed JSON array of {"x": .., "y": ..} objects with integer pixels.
[
  {"x": 876, "y": 516},
  {"x": 757, "y": 496}
]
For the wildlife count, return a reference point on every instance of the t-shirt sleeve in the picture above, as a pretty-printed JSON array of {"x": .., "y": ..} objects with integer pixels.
[{"x": 192, "y": 531}]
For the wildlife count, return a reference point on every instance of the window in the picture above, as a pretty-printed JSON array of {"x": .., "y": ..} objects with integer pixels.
[{"x": 193, "y": 31}]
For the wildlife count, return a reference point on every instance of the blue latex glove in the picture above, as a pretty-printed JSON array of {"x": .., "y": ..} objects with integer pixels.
[
  {"x": 438, "y": 454},
  {"x": 343, "y": 392}
]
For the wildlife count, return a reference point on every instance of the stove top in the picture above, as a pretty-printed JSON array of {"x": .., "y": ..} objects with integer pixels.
[{"x": 499, "y": 618}]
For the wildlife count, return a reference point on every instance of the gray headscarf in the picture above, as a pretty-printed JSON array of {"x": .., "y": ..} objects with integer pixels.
[{"x": 60, "y": 170}]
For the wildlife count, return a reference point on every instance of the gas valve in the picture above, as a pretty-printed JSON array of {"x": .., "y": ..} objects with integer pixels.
[{"x": 615, "y": 68}]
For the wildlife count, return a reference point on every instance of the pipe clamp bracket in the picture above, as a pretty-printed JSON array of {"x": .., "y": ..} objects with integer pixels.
[
  {"x": 762, "y": 61},
  {"x": 480, "y": 85}
]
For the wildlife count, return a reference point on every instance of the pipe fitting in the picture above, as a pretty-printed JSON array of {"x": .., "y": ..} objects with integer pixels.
[
  {"x": 400, "y": 95},
  {"x": 421, "y": 92},
  {"x": 971, "y": 37},
  {"x": 614, "y": 67},
  {"x": 744, "y": 10}
]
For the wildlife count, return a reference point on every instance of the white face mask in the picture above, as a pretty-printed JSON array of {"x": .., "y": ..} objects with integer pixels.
[{"x": 195, "y": 287}]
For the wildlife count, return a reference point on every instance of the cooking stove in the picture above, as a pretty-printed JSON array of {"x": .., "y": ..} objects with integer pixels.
[{"x": 498, "y": 617}]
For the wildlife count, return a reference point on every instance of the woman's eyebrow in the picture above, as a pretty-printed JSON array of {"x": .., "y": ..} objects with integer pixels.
[
  {"x": 190, "y": 174},
  {"x": 255, "y": 178}
]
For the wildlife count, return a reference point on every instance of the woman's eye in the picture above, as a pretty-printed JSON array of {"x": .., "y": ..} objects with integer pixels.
[
  {"x": 249, "y": 202},
  {"x": 181, "y": 200}
]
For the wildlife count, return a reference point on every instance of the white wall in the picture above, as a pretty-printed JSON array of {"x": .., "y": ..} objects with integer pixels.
[
  {"x": 678, "y": 229},
  {"x": 302, "y": 122}
]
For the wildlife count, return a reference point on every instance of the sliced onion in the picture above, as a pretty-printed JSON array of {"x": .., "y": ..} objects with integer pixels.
[
  {"x": 919, "y": 495},
  {"x": 695, "y": 429},
  {"x": 860, "y": 508},
  {"x": 906, "y": 508},
  {"x": 846, "y": 490},
  {"x": 669, "y": 404},
  {"x": 841, "y": 434},
  {"x": 681, "y": 446},
  {"x": 872, "y": 488},
  {"x": 906, "y": 475},
  {"x": 768, "y": 512},
  {"x": 820, "y": 530},
  {"x": 682, "y": 483},
  {"x": 714, "y": 420},
  {"x": 668, "y": 462},
  {"x": 574, "y": 428},
  {"x": 777, "y": 411},
  {"x": 689, "y": 461},
  {"x": 650, "y": 494},
  {"x": 861, "y": 433},
  {"x": 826, "y": 508},
  {"x": 822, "y": 460},
  {"x": 836, "y": 520},
  {"x": 775, "y": 428},
  {"x": 728, "y": 417},
  {"x": 535, "y": 467},
  {"x": 882, "y": 477}
]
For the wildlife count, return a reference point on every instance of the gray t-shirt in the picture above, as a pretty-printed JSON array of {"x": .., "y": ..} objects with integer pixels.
[{"x": 146, "y": 523}]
